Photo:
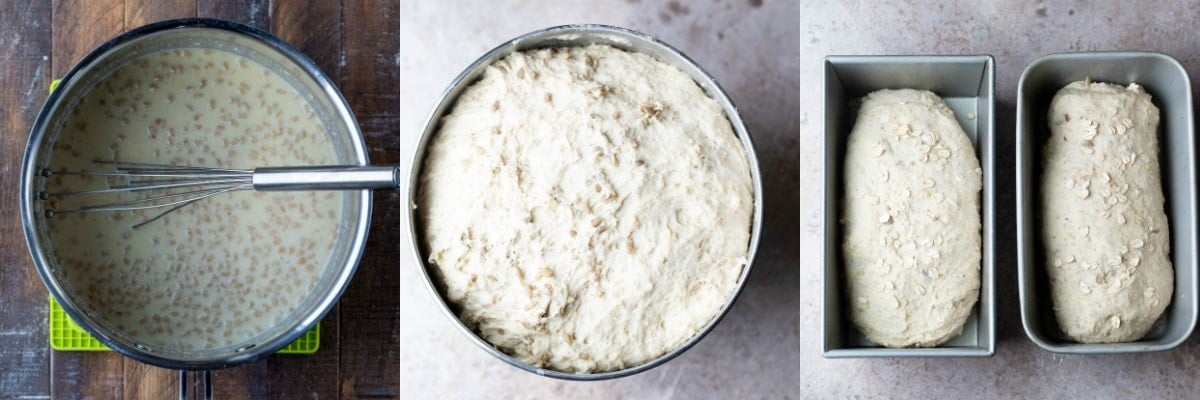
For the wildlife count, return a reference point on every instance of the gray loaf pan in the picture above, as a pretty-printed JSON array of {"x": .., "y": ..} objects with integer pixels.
[
  {"x": 967, "y": 84},
  {"x": 1170, "y": 89}
]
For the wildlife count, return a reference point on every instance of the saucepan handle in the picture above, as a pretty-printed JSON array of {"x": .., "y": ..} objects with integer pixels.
[
  {"x": 183, "y": 385},
  {"x": 336, "y": 177}
]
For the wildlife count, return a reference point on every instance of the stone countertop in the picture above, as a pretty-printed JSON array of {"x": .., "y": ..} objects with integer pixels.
[
  {"x": 1015, "y": 33},
  {"x": 751, "y": 48}
]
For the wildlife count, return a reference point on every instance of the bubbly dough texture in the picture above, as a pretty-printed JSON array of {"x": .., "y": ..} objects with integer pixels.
[
  {"x": 586, "y": 209},
  {"x": 1103, "y": 222},
  {"x": 911, "y": 218}
]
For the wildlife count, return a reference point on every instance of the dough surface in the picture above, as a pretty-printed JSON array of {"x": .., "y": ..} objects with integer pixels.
[
  {"x": 911, "y": 244},
  {"x": 1103, "y": 222},
  {"x": 586, "y": 209}
]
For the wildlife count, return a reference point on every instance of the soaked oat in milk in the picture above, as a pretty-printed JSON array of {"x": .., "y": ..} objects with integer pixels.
[{"x": 216, "y": 272}]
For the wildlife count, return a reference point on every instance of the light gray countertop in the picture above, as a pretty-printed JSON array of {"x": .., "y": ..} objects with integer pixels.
[
  {"x": 751, "y": 48},
  {"x": 1015, "y": 33},
  {"x": 769, "y": 57}
]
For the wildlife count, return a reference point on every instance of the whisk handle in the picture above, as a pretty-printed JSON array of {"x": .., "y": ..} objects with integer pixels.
[{"x": 337, "y": 177}]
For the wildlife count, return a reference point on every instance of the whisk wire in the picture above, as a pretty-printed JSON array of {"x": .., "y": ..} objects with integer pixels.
[
  {"x": 173, "y": 186},
  {"x": 185, "y": 203},
  {"x": 201, "y": 182},
  {"x": 141, "y": 186},
  {"x": 149, "y": 202},
  {"x": 140, "y": 167}
]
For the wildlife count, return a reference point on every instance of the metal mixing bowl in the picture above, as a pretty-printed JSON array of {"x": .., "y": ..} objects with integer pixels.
[
  {"x": 567, "y": 36},
  {"x": 258, "y": 46}
]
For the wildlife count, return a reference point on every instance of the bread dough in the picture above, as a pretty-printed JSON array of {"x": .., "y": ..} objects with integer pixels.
[
  {"x": 586, "y": 209},
  {"x": 1103, "y": 222},
  {"x": 912, "y": 242}
]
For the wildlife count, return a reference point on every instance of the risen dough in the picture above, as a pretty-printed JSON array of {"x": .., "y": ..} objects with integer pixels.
[
  {"x": 1103, "y": 222},
  {"x": 911, "y": 217},
  {"x": 586, "y": 209}
]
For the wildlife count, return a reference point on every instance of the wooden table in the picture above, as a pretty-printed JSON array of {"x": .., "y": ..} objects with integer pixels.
[{"x": 356, "y": 42}]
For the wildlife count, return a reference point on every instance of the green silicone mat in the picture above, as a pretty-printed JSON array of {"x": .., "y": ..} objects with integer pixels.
[{"x": 66, "y": 335}]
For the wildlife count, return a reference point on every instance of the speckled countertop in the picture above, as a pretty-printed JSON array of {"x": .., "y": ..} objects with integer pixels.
[
  {"x": 1015, "y": 33},
  {"x": 751, "y": 48},
  {"x": 768, "y": 55}
]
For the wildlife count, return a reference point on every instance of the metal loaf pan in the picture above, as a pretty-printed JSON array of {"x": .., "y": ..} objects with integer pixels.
[
  {"x": 967, "y": 83},
  {"x": 1169, "y": 86}
]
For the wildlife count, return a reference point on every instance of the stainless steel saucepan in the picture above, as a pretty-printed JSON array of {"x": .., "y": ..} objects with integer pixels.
[{"x": 257, "y": 46}]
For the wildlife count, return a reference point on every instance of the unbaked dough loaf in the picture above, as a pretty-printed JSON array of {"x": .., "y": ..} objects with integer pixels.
[
  {"x": 586, "y": 209},
  {"x": 912, "y": 242},
  {"x": 1103, "y": 222}
]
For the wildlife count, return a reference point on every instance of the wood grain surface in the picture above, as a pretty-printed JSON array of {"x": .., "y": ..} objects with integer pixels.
[
  {"x": 356, "y": 43},
  {"x": 24, "y": 74}
]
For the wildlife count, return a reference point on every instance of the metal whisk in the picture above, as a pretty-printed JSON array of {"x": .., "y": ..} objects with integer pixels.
[{"x": 199, "y": 183}]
